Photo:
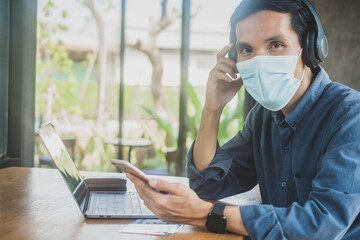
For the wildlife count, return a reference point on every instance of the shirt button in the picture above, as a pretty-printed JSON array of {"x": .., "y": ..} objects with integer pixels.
[
  {"x": 283, "y": 184},
  {"x": 286, "y": 149}
]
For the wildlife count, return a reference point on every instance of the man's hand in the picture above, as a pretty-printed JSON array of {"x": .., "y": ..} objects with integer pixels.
[
  {"x": 180, "y": 204},
  {"x": 220, "y": 87}
]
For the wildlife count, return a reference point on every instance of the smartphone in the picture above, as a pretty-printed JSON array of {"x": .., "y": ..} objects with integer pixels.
[{"x": 127, "y": 167}]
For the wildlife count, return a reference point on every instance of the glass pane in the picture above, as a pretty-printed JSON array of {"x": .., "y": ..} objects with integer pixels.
[
  {"x": 152, "y": 75},
  {"x": 78, "y": 76},
  {"x": 208, "y": 36},
  {"x": 78, "y": 73}
]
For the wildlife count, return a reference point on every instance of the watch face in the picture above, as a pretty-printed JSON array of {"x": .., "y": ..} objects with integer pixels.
[{"x": 216, "y": 223}]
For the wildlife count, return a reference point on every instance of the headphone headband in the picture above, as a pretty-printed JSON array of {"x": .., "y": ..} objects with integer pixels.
[{"x": 314, "y": 14}]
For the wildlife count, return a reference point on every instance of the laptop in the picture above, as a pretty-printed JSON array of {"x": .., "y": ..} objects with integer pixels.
[{"x": 96, "y": 197}]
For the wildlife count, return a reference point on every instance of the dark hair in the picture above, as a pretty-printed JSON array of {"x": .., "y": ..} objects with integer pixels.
[{"x": 302, "y": 20}]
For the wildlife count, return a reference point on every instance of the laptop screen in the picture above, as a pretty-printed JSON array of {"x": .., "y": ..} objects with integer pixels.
[{"x": 64, "y": 163}]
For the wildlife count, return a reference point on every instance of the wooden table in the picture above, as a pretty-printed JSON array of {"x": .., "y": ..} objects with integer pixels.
[
  {"x": 36, "y": 204},
  {"x": 130, "y": 142}
]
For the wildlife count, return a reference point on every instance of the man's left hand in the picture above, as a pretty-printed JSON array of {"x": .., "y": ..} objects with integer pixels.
[{"x": 179, "y": 204}]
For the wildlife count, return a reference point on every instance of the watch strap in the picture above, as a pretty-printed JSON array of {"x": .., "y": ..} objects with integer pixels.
[
  {"x": 219, "y": 208},
  {"x": 216, "y": 220}
]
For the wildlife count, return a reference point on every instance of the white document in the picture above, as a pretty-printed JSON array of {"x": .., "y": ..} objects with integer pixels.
[
  {"x": 251, "y": 197},
  {"x": 151, "y": 227}
]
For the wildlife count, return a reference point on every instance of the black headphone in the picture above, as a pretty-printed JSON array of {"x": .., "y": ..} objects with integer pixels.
[{"x": 315, "y": 42}]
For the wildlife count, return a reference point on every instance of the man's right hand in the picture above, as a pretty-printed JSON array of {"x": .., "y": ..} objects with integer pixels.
[
  {"x": 220, "y": 90},
  {"x": 220, "y": 87}
]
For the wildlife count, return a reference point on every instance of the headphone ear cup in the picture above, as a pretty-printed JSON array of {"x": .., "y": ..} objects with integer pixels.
[
  {"x": 309, "y": 57},
  {"x": 233, "y": 54},
  {"x": 305, "y": 53},
  {"x": 322, "y": 48}
]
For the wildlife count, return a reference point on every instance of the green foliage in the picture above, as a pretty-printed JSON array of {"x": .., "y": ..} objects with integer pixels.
[
  {"x": 231, "y": 120},
  {"x": 64, "y": 14},
  {"x": 48, "y": 6},
  {"x": 53, "y": 62},
  {"x": 56, "y": 70},
  {"x": 63, "y": 27},
  {"x": 96, "y": 155},
  {"x": 163, "y": 124},
  {"x": 153, "y": 164},
  {"x": 193, "y": 121}
]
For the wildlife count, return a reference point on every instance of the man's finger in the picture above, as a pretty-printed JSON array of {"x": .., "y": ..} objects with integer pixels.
[
  {"x": 226, "y": 69},
  {"x": 238, "y": 82},
  {"x": 165, "y": 186},
  {"x": 143, "y": 188},
  {"x": 225, "y": 50},
  {"x": 135, "y": 179},
  {"x": 147, "y": 200},
  {"x": 223, "y": 76},
  {"x": 229, "y": 62}
]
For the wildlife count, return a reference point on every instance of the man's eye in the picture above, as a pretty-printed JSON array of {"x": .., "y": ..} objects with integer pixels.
[
  {"x": 245, "y": 51},
  {"x": 276, "y": 45}
]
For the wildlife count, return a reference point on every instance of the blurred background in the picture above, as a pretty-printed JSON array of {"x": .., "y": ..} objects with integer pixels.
[
  {"x": 78, "y": 74},
  {"x": 146, "y": 94}
]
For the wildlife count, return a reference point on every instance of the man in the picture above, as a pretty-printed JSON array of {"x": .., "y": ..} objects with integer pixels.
[{"x": 301, "y": 143}]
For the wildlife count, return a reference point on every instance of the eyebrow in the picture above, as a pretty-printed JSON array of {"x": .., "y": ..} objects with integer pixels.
[
  {"x": 277, "y": 37},
  {"x": 241, "y": 45}
]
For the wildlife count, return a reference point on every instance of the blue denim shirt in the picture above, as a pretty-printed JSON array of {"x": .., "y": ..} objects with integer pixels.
[{"x": 307, "y": 166}]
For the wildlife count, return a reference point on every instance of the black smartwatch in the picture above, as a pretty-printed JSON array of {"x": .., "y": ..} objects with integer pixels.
[{"x": 216, "y": 221}]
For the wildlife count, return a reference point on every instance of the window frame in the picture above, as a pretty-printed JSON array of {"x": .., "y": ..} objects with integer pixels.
[
  {"x": 4, "y": 75},
  {"x": 18, "y": 97}
]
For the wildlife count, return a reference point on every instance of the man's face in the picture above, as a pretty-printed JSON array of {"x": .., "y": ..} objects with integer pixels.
[{"x": 267, "y": 33}]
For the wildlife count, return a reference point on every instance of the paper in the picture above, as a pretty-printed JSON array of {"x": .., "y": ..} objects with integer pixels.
[
  {"x": 151, "y": 227},
  {"x": 251, "y": 197}
]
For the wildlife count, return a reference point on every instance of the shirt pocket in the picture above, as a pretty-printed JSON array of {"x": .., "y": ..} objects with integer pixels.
[{"x": 303, "y": 188}]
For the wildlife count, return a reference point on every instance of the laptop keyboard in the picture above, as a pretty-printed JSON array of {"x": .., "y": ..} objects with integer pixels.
[{"x": 124, "y": 203}]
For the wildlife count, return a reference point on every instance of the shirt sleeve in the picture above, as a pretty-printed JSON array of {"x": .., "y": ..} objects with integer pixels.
[
  {"x": 334, "y": 201},
  {"x": 230, "y": 172}
]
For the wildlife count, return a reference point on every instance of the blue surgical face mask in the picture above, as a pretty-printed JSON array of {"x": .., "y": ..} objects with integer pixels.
[{"x": 270, "y": 79}]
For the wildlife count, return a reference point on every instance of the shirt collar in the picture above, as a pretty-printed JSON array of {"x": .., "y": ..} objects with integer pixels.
[{"x": 310, "y": 98}]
